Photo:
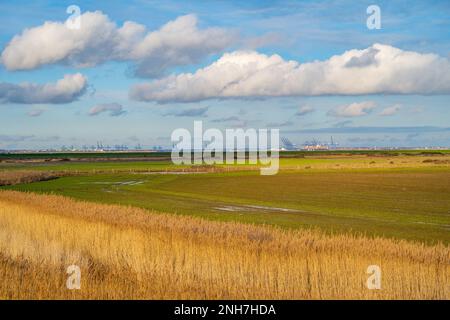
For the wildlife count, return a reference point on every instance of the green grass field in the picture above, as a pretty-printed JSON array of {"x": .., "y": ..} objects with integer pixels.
[
  {"x": 98, "y": 163},
  {"x": 393, "y": 196}
]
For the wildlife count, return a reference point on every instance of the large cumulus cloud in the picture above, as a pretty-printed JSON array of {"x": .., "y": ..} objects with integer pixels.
[
  {"x": 179, "y": 42},
  {"x": 379, "y": 69},
  {"x": 64, "y": 90}
]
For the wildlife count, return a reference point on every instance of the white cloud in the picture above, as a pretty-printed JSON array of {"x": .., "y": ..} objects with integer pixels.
[
  {"x": 114, "y": 109},
  {"x": 64, "y": 90},
  {"x": 35, "y": 112},
  {"x": 304, "y": 110},
  {"x": 226, "y": 119},
  {"x": 389, "y": 111},
  {"x": 379, "y": 69},
  {"x": 365, "y": 59},
  {"x": 99, "y": 39},
  {"x": 178, "y": 42},
  {"x": 194, "y": 112},
  {"x": 280, "y": 124},
  {"x": 356, "y": 109}
]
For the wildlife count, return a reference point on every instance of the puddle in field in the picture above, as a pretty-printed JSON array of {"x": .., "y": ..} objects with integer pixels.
[
  {"x": 119, "y": 183},
  {"x": 130, "y": 183},
  {"x": 253, "y": 208},
  {"x": 172, "y": 172},
  {"x": 443, "y": 226},
  {"x": 273, "y": 208}
]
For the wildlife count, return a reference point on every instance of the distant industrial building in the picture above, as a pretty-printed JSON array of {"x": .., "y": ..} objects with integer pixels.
[{"x": 316, "y": 147}]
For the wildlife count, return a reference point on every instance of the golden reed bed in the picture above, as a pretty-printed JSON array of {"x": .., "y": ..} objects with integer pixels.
[{"x": 130, "y": 253}]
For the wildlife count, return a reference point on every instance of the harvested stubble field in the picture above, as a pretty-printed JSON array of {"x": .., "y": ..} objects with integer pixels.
[{"x": 127, "y": 252}]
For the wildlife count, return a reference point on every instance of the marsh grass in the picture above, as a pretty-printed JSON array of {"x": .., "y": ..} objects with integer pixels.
[
  {"x": 24, "y": 176},
  {"x": 132, "y": 253}
]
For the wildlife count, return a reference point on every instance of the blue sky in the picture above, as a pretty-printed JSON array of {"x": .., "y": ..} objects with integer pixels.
[{"x": 301, "y": 31}]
